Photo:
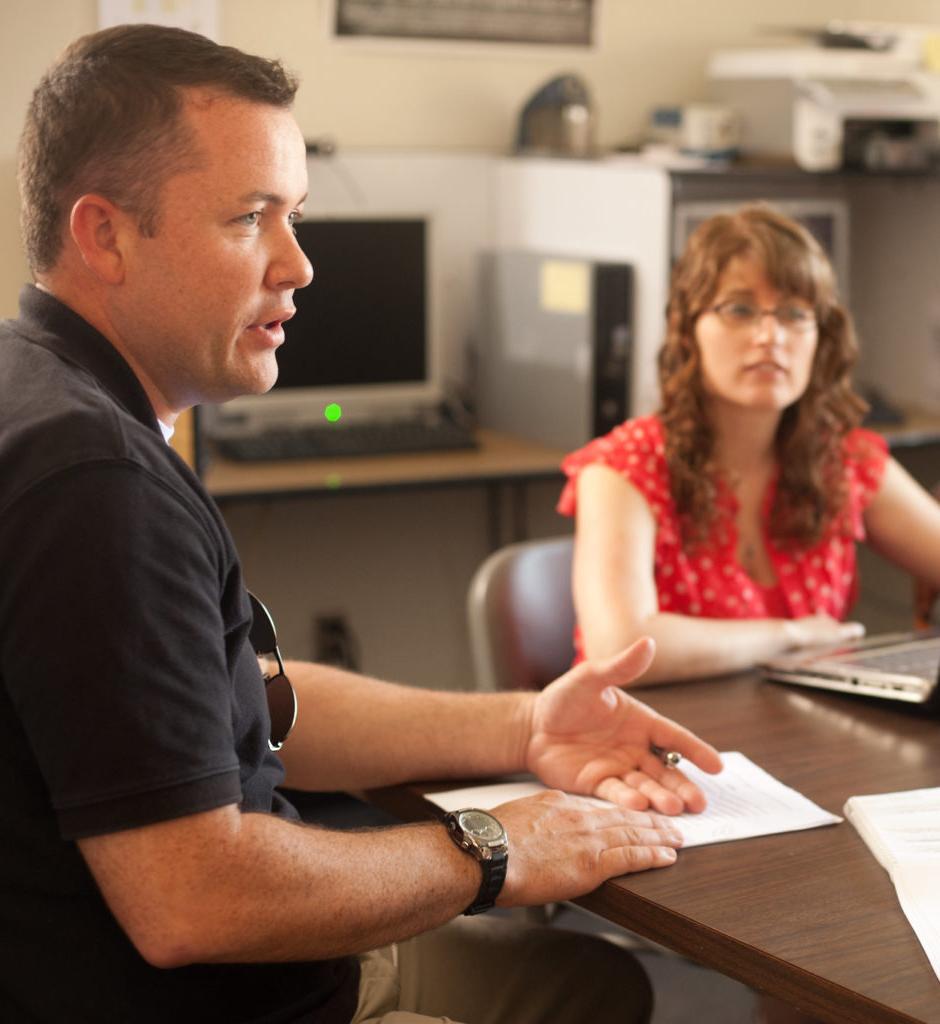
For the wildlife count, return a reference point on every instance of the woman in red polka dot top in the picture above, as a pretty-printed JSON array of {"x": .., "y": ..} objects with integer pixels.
[{"x": 725, "y": 525}]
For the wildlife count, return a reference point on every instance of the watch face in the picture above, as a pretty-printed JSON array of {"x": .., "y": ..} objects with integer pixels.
[{"x": 484, "y": 826}]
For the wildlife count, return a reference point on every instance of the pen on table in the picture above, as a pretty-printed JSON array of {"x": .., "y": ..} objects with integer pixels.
[{"x": 670, "y": 758}]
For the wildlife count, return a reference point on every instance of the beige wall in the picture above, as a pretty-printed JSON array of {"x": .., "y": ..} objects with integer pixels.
[
  {"x": 428, "y": 96},
  {"x": 397, "y": 565}
]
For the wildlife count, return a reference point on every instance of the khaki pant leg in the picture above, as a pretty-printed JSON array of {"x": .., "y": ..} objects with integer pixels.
[
  {"x": 490, "y": 970},
  {"x": 379, "y": 992}
]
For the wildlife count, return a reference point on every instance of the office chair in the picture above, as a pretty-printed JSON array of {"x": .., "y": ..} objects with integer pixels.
[
  {"x": 925, "y": 594},
  {"x": 925, "y": 597},
  {"x": 520, "y": 612},
  {"x": 520, "y": 615}
]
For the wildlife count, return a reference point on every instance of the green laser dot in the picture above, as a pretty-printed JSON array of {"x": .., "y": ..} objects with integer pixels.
[{"x": 333, "y": 412}]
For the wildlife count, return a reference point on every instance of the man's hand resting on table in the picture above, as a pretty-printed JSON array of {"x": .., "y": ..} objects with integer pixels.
[
  {"x": 562, "y": 846},
  {"x": 588, "y": 736}
]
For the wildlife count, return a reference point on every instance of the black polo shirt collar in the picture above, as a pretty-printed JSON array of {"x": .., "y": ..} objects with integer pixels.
[{"x": 48, "y": 322}]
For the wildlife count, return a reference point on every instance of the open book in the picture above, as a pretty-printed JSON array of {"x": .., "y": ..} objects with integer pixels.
[{"x": 902, "y": 830}]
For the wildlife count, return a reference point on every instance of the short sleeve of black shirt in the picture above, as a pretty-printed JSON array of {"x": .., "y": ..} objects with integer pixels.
[{"x": 116, "y": 656}]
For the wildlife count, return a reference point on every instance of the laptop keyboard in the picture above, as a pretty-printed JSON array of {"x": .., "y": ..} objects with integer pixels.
[
  {"x": 373, "y": 438},
  {"x": 917, "y": 659}
]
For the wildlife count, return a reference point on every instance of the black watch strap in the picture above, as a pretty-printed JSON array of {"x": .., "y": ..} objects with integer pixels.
[{"x": 494, "y": 874}]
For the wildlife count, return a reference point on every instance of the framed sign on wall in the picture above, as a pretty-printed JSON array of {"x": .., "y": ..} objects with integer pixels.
[{"x": 526, "y": 22}]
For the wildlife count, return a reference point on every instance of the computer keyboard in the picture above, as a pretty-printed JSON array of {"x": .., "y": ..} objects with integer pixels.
[
  {"x": 920, "y": 658},
  {"x": 329, "y": 441}
]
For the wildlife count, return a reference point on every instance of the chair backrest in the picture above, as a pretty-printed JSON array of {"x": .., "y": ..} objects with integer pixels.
[
  {"x": 521, "y": 615},
  {"x": 925, "y": 593}
]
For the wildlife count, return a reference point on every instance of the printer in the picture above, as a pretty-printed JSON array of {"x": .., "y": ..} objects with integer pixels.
[{"x": 829, "y": 109}]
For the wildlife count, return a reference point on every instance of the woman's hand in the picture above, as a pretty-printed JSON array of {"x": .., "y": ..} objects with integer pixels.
[{"x": 820, "y": 631}]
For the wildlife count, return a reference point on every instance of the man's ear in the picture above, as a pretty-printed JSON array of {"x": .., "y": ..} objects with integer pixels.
[{"x": 100, "y": 232}]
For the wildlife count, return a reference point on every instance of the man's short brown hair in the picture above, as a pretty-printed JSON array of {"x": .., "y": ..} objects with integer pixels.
[{"x": 107, "y": 118}]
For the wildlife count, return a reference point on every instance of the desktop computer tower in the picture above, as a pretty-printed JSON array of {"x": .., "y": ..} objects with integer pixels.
[{"x": 555, "y": 346}]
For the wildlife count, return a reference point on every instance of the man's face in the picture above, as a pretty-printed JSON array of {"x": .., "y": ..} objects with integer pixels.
[{"x": 202, "y": 304}]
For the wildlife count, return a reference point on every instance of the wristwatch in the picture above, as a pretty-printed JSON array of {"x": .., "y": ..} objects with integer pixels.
[{"x": 481, "y": 835}]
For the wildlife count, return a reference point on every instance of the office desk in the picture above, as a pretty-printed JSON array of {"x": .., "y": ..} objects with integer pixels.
[
  {"x": 499, "y": 458},
  {"x": 810, "y": 917},
  {"x": 919, "y": 428},
  {"x": 500, "y": 463}
]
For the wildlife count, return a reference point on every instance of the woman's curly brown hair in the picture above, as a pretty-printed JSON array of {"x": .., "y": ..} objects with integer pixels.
[{"x": 810, "y": 490}]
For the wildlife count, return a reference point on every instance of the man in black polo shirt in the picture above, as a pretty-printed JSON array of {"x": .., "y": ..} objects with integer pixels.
[{"x": 150, "y": 870}]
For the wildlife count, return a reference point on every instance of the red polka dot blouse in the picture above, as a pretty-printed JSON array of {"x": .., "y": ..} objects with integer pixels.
[{"x": 710, "y": 582}]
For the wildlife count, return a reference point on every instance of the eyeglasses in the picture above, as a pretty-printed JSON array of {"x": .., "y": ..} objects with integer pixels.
[
  {"x": 282, "y": 701},
  {"x": 744, "y": 316}
]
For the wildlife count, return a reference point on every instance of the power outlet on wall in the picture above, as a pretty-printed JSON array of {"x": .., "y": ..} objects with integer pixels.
[{"x": 334, "y": 642}]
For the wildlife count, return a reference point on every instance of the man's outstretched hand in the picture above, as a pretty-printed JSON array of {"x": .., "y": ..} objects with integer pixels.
[{"x": 588, "y": 736}]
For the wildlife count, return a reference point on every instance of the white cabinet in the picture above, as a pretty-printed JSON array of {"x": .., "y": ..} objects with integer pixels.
[{"x": 624, "y": 209}]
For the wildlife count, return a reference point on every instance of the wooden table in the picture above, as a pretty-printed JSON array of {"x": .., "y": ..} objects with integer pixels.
[{"x": 810, "y": 917}]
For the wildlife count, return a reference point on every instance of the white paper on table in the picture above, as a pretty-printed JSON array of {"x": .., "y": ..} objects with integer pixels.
[
  {"x": 743, "y": 801},
  {"x": 902, "y": 830},
  {"x": 899, "y": 827},
  {"x": 918, "y": 887}
]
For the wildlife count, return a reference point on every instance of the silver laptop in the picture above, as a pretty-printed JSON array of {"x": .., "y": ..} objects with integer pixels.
[{"x": 896, "y": 666}]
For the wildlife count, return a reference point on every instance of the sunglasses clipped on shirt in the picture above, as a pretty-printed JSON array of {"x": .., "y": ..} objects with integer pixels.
[{"x": 282, "y": 701}]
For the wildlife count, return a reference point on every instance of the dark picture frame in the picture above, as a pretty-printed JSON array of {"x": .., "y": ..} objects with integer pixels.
[{"x": 570, "y": 23}]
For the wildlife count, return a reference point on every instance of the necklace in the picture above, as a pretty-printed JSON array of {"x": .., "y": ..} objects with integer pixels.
[{"x": 749, "y": 557}]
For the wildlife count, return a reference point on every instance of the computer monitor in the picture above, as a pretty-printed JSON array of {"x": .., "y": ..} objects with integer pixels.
[
  {"x": 360, "y": 338},
  {"x": 827, "y": 220}
]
